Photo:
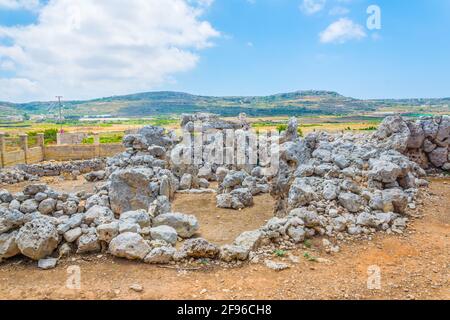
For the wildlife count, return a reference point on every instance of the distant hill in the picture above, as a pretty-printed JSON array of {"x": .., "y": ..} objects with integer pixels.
[{"x": 167, "y": 103}]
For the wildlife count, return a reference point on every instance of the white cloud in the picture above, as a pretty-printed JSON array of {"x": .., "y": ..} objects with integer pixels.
[
  {"x": 342, "y": 31},
  {"x": 19, "y": 4},
  {"x": 85, "y": 48},
  {"x": 339, "y": 11},
  {"x": 312, "y": 6}
]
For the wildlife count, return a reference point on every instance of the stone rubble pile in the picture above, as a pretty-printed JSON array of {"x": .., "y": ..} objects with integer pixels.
[
  {"x": 14, "y": 175},
  {"x": 43, "y": 225},
  {"x": 425, "y": 141},
  {"x": 32, "y": 172},
  {"x": 237, "y": 188},
  {"x": 334, "y": 185},
  {"x": 56, "y": 168}
]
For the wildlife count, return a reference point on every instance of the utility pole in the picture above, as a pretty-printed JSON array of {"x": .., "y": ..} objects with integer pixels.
[{"x": 60, "y": 110}]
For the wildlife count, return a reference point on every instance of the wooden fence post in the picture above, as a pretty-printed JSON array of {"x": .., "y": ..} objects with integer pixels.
[
  {"x": 24, "y": 145},
  {"x": 2, "y": 150}
]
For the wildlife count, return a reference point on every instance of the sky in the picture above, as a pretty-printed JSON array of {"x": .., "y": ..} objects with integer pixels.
[{"x": 84, "y": 49}]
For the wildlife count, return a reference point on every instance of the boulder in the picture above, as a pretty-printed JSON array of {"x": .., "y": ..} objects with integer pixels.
[
  {"x": 160, "y": 255},
  {"x": 5, "y": 196},
  {"x": 185, "y": 225},
  {"x": 130, "y": 189},
  {"x": 199, "y": 248},
  {"x": 384, "y": 171},
  {"x": 130, "y": 246},
  {"x": 37, "y": 239},
  {"x": 88, "y": 243},
  {"x": 394, "y": 200},
  {"x": 29, "y": 206},
  {"x": 250, "y": 240},
  {"x": 439, "y": 157},
  {"x": 72, "y": 235},
  {"x": 165, "y": 233},
  {"x": 47, "y": 206},
  {"x": 140, "y": 217},
  {"x": 301, "y": 194},
  {"x": 10, "y": 219},
  {"x": 98, "y": 215},
  {"x": 33, "y": 189},
  {"x": 186, "y": 181},
  {"x": 351, "y": 201},
  {"x": 160, "y": 206},
  {"x": 8, "y": 245},
  {"x": 97, "y": 200},
  {"x": 233, "y": 179},
  {"x": 229, "y": 253},
  {"x": 107, "y": 232}
]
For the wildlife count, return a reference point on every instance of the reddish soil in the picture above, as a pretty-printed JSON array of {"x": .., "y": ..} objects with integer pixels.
[{"x": 415, "y": 265}]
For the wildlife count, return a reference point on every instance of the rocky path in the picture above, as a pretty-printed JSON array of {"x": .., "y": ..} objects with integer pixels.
[{"x": 413, "y": 266}]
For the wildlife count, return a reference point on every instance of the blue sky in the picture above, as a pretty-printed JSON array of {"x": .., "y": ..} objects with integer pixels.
[{"x": 225, "y": 47}]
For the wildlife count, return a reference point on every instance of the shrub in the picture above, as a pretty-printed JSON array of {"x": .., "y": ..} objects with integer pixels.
[{"x": 282, "y": 127}]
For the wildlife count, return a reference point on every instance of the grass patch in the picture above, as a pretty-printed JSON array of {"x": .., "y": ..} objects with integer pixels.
[
  {"x": 280, "y": 253},
  {"x": 310, "y": 257},
  {"x": 104, "y": 139},
  {"x": 307, "y": 244}
]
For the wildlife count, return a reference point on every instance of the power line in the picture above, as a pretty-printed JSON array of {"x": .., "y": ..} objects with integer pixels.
[{"x": 60, "y": 110}]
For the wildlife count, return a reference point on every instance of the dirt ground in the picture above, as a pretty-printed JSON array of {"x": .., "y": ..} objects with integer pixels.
[
  {"x": 415, "y": 265},
  {"x": 222, "y": 226}
]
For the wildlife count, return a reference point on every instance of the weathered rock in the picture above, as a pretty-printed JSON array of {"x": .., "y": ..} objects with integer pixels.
[
  {"x": 47, "y": 206},
  {"x": 33, "y": 189},
  {"x": 185, "y": 225},
  {"x": 98, "y": 215},
  {"x": 384, "y": 171},
  {"x": 5, "y": 196},
  {"x": 250, "y": 240},
  {"x": 8, "y": 245},
  {"x": 165, "y": 233},
  {"x": 199, "y": 248},
  {"x": 395, "y": 200},
  {"x": 47, "y": 264},
  {"x": 29, "y": 206},
  {"x": 107, "y": 232},
  {"x": 97, "y": 200},
  {"x": 233, "y": 179},
  {"x": 140, "y": 217},
  {"x": 230, "y": 253},
  {"x": 130, "y": 246},
  {"x": 301, "y": 193},
  {"x": 130, "y": 189},
  {"x": 72, "y": 235},
  {"x": 351, "y": 201},
  {"x": 160, "y": 206},
  {"x": 37, "y": 239},
  {"x": 88, "y": 243},
  {"x": 297, "y": 234},
  {"x": 160, "y": 255},
  {"x": 439, "y": 157},
  {"x": 276, "y": 266},
  {"x": 330, "y": 191},
  {"x": 10, "y": 219},
  {"x": 186, "y": 182},
  {"x": 126, "y": 226}
]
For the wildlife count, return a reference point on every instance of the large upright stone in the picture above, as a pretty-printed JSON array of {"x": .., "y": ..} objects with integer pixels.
[{"x": 130, "y": 190}]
